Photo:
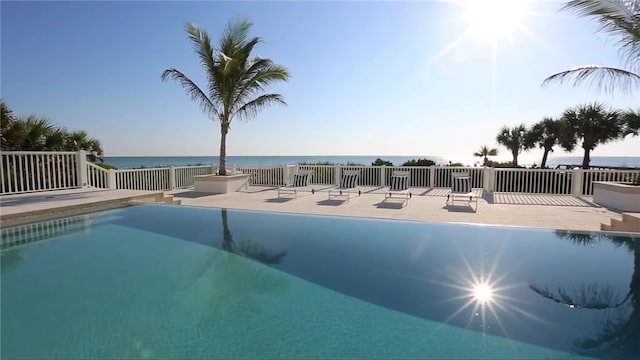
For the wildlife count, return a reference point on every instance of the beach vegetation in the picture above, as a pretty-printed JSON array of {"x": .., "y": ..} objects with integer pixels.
[
  {"x": 545, "y": 135},
  {"x": 419, "y": 162},
  {"x": 381, "y": 162},
  {"x": 107, "y": 166},
  {"x": 592, "y": 125},
  {"x": 631, "y": 119},
  {"x": 34, "y": 133},
  {"x": 513, "y": 139},
  {"x": 236, "y": 79},
  {"x": 484, "y": 153}
]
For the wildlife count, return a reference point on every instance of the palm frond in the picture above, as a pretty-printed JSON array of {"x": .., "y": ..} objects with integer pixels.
[
  {"x": 607, "y": 78},
  {"x": 194, "y": 92},
  {"x": 253, "y": 107},
  {"x": 259, "y": 78},
  {"x": 201, "y": 43},
  {"x": 620, "y": 18}
]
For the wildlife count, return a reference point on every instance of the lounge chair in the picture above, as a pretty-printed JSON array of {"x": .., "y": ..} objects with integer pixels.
[
  {"x": 461, "y": 189},
  {"x": 300, "y": 183},
  {"x": 348, "y": 185},
  {"x": 399, "y": 186}
]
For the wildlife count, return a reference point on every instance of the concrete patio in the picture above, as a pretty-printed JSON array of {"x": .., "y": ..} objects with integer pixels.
[{"x": 542, "y": 211}]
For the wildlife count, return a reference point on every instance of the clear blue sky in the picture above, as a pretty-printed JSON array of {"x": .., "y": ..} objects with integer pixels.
[{"x": 368, "y": 78}]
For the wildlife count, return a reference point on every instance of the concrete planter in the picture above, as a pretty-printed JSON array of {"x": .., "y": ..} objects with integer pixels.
[
  {"x": 618, "y": 196},
  {"x": 218, "y": 184}
]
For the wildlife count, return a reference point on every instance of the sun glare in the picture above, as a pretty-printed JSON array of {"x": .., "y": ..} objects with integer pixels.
[
  {"x": 492, "y": 20},
  {"x": 482, "y": 293}
]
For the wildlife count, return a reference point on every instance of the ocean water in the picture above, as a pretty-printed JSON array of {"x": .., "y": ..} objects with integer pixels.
[{"x": 131, "y": 162}]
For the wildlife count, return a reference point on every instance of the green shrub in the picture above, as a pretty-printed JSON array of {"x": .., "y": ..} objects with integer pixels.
[
  {"x": 317, "y": 163},
  {"x": 107, "y": 166},
  {"x": 419, "y": 162},
  {"x": 380, "y": 162},
  {"x": 507, "y": 164},
  {"x": 455, "y": 164}
]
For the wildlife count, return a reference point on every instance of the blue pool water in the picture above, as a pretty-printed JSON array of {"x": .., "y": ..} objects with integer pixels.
[{"x": 157, "y": 281}]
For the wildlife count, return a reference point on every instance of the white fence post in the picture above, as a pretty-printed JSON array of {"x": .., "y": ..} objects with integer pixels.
[
  {"x": 432, "y": 176},
  {"x": 111, "y": 179},
  {"x": 81, "y": 162},
  {"x": 338, "y": 174},
  {"x": 487, "y": 179},
  {"x": 383, "y": 170},
  {"x": 172, "y": 177},
  {"x": 576, "y": 178}
]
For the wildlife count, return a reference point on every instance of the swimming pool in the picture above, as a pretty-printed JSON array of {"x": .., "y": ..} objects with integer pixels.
[{"x": 153, "y": 281}]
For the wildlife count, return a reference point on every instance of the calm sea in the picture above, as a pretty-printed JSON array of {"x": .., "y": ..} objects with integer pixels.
[{"x": 131, "y": 162}]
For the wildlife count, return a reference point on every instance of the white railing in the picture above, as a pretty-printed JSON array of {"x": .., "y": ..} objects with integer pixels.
[
  {"x": 31, "y": 171},
  {"x": 23, "y": 172},
  {"x": 97, "y": 177},
  {"x": 533, "y": 181},
  {"x": 183, "y": 175},
  {"x": 589, "y": 176},
  {"x": 274, "y": 175},
  {"x": 321, "y": 174},
  {"x": 156, "y": 179}
]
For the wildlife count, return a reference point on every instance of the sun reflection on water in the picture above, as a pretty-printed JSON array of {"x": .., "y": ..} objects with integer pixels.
[{"x": 482, "y": 294}]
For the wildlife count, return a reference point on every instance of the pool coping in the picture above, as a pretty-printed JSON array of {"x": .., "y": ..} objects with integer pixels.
[{"x": 87, "y": 206}]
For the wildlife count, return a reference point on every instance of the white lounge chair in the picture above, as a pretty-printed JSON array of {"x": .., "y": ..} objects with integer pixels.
[
  {"x": 348, "y": 185},
  {"x": 461, "y": 189},
  {"x": 300, "y": 182},
  {"x": 399, "y": 186}
]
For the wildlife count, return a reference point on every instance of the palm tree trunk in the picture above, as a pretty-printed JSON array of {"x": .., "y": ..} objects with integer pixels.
[
  {"x": 227, "y": 238},
  {"x": 544, "y": 158},
  {"x": 515, "y": 158},
  {"x": 587, "y": 159},
  {"x": 224, "y": 129}
]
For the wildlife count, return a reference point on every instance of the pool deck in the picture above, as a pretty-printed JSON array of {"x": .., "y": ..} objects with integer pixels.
[
  {"x": 21, "y": 208},
  {"x": 540, "y": 211}
]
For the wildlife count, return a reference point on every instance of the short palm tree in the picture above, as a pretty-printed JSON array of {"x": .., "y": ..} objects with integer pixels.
[
  {"x": 236, "y": 80},
  {"x": 36, "y": 131},
  {"x": 80, "y": 140},
  {"x": 11, "y": 130},
  {"x": 546, "y": 135},
  {"x": 513, "y": 139},
  {"x": 593, "y": 124},
  {"x": 485, "y": 152},
  {"x": 631, "y": 120},
  {"x": 621, "y": 19}
]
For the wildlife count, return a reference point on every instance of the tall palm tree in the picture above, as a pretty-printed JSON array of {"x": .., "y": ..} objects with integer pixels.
[
  {"x": 546, "y": 135},
  {"x": 621, "y": 19},
  {"x": 485, "y": 152},
  {"x": 236, "y": 80},
  {"x": 513, "y": 139},
  {"x": 593, "y": 124}
]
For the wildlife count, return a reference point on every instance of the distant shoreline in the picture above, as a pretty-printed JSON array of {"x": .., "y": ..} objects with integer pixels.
[{"x": 128, "y": 162}]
